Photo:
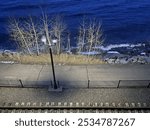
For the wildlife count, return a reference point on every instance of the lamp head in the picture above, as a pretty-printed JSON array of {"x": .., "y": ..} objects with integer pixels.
[
  {"x": 43, "y": 39},
  {"x": 54, "y": 40}
]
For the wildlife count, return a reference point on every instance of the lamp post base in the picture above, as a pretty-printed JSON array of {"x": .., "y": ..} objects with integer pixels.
[{"x": 55, "y": 87}]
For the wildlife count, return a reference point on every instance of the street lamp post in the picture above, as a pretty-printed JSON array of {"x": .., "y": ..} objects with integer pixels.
[{"x": 54, "y": 41}]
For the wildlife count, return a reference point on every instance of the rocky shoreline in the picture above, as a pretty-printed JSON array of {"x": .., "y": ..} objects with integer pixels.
[
  {"x": 127, "y": 54},
  {"x": 113, "y": 59}
]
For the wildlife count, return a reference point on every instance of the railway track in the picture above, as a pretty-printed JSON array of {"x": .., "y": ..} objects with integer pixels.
[
  {"x": 53, "y": 107},
  {"x": 74, "y": 111}
]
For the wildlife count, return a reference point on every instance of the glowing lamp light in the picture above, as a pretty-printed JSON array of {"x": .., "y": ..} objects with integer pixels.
[
  {"x": 43, "y": 39},
  {"x": 54, "y": 41}
]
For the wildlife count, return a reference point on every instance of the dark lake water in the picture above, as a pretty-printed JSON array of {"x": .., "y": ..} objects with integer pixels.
[{"x": 124, "y": 21}]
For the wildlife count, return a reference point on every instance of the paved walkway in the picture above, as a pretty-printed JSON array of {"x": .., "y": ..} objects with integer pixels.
[{"x": 76, "y": 76}]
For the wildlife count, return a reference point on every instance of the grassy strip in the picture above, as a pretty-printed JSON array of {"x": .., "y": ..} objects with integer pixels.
[{"x": 58, "y": 59}]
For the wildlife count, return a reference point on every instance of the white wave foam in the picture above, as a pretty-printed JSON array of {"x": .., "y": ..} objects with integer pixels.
[{"x": 109, "y": 47}]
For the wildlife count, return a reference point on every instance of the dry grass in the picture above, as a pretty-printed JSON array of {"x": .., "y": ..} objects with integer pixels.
[{"x": 58, "y": 59}]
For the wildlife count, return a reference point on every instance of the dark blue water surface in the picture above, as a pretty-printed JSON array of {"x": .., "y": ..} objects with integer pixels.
[{"x": 123, "y": 20}]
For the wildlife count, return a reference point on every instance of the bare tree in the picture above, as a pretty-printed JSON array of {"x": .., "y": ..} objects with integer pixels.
[
  {"x": 58, "y": 28},
  {"x": 90, "y": 34},
  {"x": 25, "y": 33},
  {"x": 18, "y": 33},
  {"x": 99, "y": 39},
  {"x": 79, "y": 42},
  {"x": 82, "y": 35},
  {"x": 68, "y": 42},
  {"x": 34, "y": 34},
  {"x": 46, "y": 27}
]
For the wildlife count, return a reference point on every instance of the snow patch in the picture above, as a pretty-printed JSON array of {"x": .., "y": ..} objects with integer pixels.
[
  {"x": 89, "y": 53},
  {"x": 7, "y": 62},
  {"x": 143, "y": 53},
  {"x": 113, "y": 52}
]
